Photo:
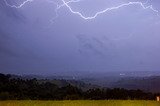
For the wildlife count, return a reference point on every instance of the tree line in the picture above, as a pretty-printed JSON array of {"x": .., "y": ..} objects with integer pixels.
[{"x": 33, "y": 89}]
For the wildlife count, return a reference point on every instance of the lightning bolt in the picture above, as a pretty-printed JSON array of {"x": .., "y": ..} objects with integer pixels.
[
  {"x": 109, "y": 9},
  {"x": 67, "y": 4},
  {"x": 60, "y": 6},
  {"x": 19, "y": 6}
]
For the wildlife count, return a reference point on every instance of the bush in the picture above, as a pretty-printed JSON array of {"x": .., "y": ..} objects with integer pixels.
[{"x": 4, "y": 96}]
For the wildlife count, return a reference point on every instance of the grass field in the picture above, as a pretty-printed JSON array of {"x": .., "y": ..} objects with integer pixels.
[{"x": 80, "y": 103}]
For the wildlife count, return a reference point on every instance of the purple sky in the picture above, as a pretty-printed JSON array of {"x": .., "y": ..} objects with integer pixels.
[{"x": 37, "y": 39}]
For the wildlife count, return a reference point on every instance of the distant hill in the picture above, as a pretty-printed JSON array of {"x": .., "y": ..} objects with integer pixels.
[
  {"x": 61, "y": 81},
  {"x": 149, "y": 84},
  {"x": 146, "y": 83},
  {"x": 14, "y": 88}
]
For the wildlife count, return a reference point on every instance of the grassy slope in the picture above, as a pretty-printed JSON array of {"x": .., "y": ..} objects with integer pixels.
[{"x": 80, "y": 103}]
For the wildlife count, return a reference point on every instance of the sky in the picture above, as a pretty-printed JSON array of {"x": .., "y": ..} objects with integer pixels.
[{"x": 63, "y": 36}]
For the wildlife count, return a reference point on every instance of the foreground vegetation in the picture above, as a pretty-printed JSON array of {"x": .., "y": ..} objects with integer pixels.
[
  {"x": 80, "y": 103},
  {"x": 33, "y": 89}
]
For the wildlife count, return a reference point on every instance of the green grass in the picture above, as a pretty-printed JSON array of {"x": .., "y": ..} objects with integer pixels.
[{"x": 80, "y": 103}]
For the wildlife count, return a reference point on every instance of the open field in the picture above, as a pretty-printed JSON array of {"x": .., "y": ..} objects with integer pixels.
[{"x": 80, "y": 103}]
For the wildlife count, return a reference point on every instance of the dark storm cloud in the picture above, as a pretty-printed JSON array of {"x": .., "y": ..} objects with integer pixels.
[
  {"x": 126, "y": 39},
  {"x": 94, "y": 45},
  {"x": 4, "y": 50},
  {"x": 90, "y": 45},
  {"x": 10, "y": 48},
  {"x": 10, "y": 12}
]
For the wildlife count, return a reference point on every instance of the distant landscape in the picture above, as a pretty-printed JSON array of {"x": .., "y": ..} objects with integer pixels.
[
  {"x": 14, "y": 87},
  {"x": 148, "y": 81}
]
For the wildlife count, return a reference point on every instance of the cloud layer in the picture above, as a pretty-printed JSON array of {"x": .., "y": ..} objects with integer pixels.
[{"x": 126, "y": 39}]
